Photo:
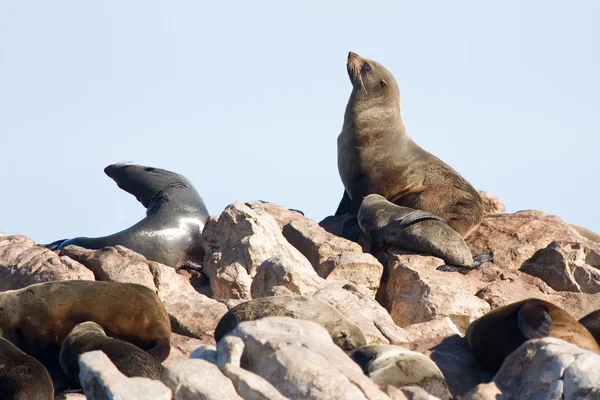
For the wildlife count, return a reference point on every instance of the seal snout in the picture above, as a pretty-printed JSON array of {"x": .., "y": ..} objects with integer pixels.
[
  {"x": 353, "y": 65},
  {"x": 111, "y": 169}
]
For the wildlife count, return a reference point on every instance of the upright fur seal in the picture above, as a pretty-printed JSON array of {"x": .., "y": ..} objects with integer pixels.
[
  {"x": 592, "y": 324},
  {"x": 375, "y": 155},
  {"x": 89, "y": 336},
  {"x": 501, "y": 331},
  {"x": 22, "y": 377},
  {"x": 171, "y": 232},
  {"x": 344, "y": 332},
  {"x": 38, "y": 318},
  {"x": 397, "y": 366}
]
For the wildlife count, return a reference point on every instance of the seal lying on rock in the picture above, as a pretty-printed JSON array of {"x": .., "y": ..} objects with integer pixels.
[
  {"x": 592, "y": 324},
  {"x": 344, "y": 333},
  {"x": 38, "y": 318},
  {"x": 397, "y": 366},
  {"x": 376, "y": 156},
  {"x": 171, "y": 232},
  {"x": 501, "y": 331},
  {"x": 89, "y": 336},
  {"x": 22, "y": 377}
]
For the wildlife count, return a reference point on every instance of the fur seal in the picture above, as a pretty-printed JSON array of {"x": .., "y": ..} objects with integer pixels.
[
  {"x": 501, "y": 331},
  {"x": 38, "y": 318},
  {"x": 592, "y": 324},
  {"x": 397, "y": 366},
  {"x": 171, "y": 232},
  {"x": 375, "y": 155},
  {"x": 344, "y": 333},
  {"x": 89, "y": 336},
  {"x": 22, "y": 377}
]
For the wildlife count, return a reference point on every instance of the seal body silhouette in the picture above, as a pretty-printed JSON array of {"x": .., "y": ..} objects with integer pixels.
[
  {"x": 89, "y": 336},
  {"x": 171, "y": 232},
  {"x": 22, "y": 377},
  {"x": 592, "y": 324},
  {"x": 344, "y": 332},
  {"x": 501, "y": 331},
  {"x": 38, "y": 318},
  {"x": 376, "y": 156}
]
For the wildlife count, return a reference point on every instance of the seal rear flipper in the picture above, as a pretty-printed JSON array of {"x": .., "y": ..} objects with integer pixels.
[
  {"x": 534, "y": 320},
  {"x": 54, "y": 245},
  {"x": 416, "y": 216}
]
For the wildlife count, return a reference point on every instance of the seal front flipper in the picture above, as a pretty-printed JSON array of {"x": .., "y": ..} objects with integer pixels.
[
  {"x": 534, "y": 320},
  {"x": 477, "y": 261},
  {"x": 54, "y": 245},
  {"x": 345, "y": 204}
]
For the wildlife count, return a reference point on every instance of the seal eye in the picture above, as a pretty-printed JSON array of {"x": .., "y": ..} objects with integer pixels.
[
  {"x": 366, "y": 67},
  {"x": 149, "y": 169}
]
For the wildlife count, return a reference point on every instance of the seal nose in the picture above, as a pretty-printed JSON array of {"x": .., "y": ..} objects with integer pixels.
[
  {"x": 352, "y": 55},
  {"x": 110, "y": 170}
]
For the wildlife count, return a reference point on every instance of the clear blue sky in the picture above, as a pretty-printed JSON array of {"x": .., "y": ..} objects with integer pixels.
[{"x": 246, "y": 99}]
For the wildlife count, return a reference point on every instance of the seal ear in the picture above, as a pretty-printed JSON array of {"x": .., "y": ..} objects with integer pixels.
[{"x": 383, "y": 83}]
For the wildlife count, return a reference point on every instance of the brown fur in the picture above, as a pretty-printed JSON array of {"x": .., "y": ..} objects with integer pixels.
[
  {"x": 495, "y": 335},
  {"x": 344, "y": 332},
  {"x": 375, "y": 155},
  {"x": 22, "y": 377},
  {"x": 129, "y": 359},
  {"x": 38, "y": 318}
]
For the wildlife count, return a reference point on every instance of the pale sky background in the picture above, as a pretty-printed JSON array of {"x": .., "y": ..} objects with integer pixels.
[{"x": 246, "y": 99}]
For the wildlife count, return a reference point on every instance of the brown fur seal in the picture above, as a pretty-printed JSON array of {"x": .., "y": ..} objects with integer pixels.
[
  {"x": 22, "y": 377},
  {"x": 89, "y": 336},
  {"x": 397, "y": 366},
  {"x": 592, "y": 324},
  {"x": 344, "y": 333},
  {"x": 375, "y": 155},
  {"x": 171, "y": 232},
  {"x": 38, "y": 318},
  {"x": 389, "y": 225},
  {"x": 501, "y": 331}
]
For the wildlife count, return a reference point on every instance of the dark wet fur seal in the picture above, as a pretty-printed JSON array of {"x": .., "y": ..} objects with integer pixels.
[
  {"x": 38, "y": 318},
  {"x": 171, "y": 232},
  {"x": 376, "y": 156},
  {"x": 22, "y": 377},
  {"x": 592, "y": 324},
  {"x": 129, "y": 359},
  {"x": 399, "y": 367},
  {"x": 344, "y": 333},
  {"x": 389, "y": 225},
  {"x": 501, "y": 331}
]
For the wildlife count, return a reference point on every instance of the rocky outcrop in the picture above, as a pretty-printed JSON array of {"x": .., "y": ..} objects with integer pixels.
[
  {"x": 195, "y": 315},
  {"x": 198, "y": 379},
  {"x": 22, "y": 263}
]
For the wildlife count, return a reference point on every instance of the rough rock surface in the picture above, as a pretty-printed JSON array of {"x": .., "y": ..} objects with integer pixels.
[
  {"x": 280, "y": 275},
  {"x": 550, "y": 368},
  {"x": 360, "y": 308},
  {"x": 113, "y": 264},
  {"x": 101, "y": 380},
  {"x": 300, "y": 360},
  {"x": 572, "y": 267},
  {"x": 251, "y": 386},
  {"x": 195, "y": 315},
  {"x": 198, "y": 379},
  {"x": 22, "y": 263},
  {"x": 491, "y": 203},
  {"x": 417, "y": 292}
]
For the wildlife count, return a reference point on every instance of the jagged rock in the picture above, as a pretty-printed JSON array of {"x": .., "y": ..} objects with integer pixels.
[
  {"x": 239, "y": 240},
  {"x": 514, "y": 238},
  {"x": 397, "y": 366},
  {"x": 280, "y": 275},
  {"x": 300, "y": 360},
  {"x": 101, "y": 380},
  {"x": 168, "y": 282},
  {"x": 206, "y": 352},
  {"x": 428, "y": 334},
  {"x": 484, "y": 391},
  {"x": 113, "y": 264},
  {"x": 182, "y": 347},
  {"x": 282, "y": 215},
  {"x": 491, "y": 203},
  {"x": 416, "y": 292},
  {"x": 197, "y": 279},
  {"x": 358, "y": 268},
  {"x": 365, "y": 312},
  {"x": 572, "y": 267},
  {"x": 550, "y": 368},
  {"x": 195, "y": 315},
  {"x": 251, "y": 386},
  {"x": 22, "y": 263},
  {"x": 198, "y": 379}
]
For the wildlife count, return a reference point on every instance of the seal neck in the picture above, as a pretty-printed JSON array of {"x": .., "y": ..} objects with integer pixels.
[{"x": 369, "y": 113}]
